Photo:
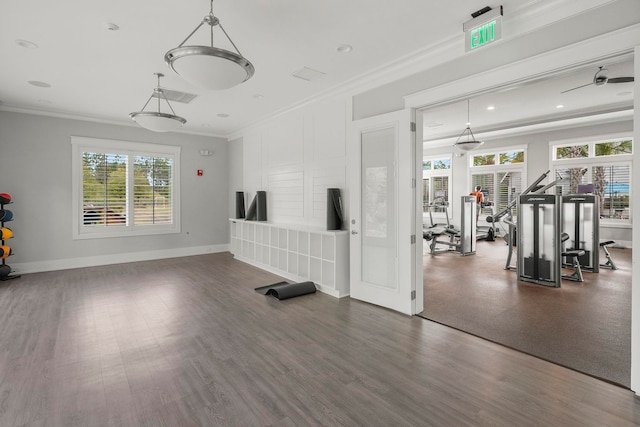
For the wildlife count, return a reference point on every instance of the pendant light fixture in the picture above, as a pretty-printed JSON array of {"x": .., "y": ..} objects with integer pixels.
[
  {"x": 209, "y": 67},
  {"x": 156, "y": 120},
  {"x": 470, "y": 143}
]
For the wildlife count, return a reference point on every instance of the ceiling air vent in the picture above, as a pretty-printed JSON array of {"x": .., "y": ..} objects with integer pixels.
[
  {"x": 175, "y": 96},
  {"x": 308, "y": 74}
]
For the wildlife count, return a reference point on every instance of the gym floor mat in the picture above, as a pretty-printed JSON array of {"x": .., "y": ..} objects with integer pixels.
[{"x": 284, "y": 290}]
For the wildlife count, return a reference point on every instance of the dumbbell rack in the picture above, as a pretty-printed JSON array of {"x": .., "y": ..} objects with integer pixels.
[{"x": 9, "y": 276}]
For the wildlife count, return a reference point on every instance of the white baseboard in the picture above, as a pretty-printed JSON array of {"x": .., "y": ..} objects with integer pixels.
[
  {"x": 92, "y": 261},
  {"x": 624, "y": 244}
]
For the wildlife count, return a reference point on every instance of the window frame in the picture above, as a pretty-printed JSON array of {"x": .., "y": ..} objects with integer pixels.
[
  {"x": 131, "y": 149},
  {"x": 592, "y": 160},
  {"x": 591, "y": 142},
  {"x": 497, "y": 168},
  {"x": 437, "y": 173}
]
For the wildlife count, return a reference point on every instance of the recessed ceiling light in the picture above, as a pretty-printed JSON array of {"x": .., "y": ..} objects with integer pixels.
[
  {"x": 206, "y": 125},
  {"x": 559, "y": 106},
  {"x": 223, "y": 115},
  {"x": 111, "y": 26},
  {"x": 344, "y": 48},
  {"x": 38, "y": 84},
  {"x": 258, "y": 96},
  {"x": 491, "y": 107},
  {"x": 27, "y": 44}
]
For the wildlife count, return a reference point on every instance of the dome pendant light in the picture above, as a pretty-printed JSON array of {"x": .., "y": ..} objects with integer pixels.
[
  {"x": 158, "y": 121},
  {"x": 471, "y": 143},
  {"x": 209, "y": 67}
]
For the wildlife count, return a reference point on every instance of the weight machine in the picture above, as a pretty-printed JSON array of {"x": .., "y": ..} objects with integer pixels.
[
  {"x": 463, "y": 240},
  {"x": 539, "y": 256},
  {"x": 581, "y": 221}
]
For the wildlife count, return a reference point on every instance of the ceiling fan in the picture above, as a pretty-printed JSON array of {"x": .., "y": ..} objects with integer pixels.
[{"x": 600, "y": 79}]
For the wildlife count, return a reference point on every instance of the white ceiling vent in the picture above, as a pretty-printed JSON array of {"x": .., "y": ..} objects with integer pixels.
[
  {"x": 175, "y": 96},
  {"x": 433, "y": 124},
  {"x": 308, "y": 74}
]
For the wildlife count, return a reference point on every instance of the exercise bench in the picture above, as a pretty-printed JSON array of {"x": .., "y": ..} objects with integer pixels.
[
  {"x": 574, "y": 255},
  {"x": 609, "y": 264}
]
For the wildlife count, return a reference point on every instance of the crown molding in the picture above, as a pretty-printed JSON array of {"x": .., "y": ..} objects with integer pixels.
[{"x": 69, "y": 116}]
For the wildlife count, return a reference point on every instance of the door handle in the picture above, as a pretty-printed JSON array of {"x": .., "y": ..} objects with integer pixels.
[{"x": 354, "y": 232}]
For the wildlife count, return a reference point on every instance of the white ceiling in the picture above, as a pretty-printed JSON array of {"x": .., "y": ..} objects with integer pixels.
[
  {"x": 105, "y": 75},
  {"x": 536, "y": 104},
  {"x": 102, "y": 74}
]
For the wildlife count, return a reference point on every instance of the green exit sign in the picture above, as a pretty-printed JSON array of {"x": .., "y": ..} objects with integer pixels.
[
  {"x": 483, "y": 30},
  {"x": 483, "y": 35}
]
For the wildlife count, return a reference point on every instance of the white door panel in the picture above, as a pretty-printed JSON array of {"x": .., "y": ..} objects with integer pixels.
[{"x": 383, "y": 211}]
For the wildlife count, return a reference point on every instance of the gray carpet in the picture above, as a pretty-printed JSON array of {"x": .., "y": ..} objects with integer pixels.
[{"x": 584, "y": 326}]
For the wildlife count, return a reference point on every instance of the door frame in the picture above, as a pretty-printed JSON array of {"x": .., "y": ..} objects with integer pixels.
[
  {"x": 409, "y": 265},
  {"x": 598, "y": 49}
]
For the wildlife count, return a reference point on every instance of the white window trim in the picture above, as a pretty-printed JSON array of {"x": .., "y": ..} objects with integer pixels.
[
  {"x": 439, "y": 173},
  {"x": 497, "y": 151},
  {"x": 591, "y": 141},
  {"x": 518, "y": 167},
  {"x": 592, "y": 160},
  {"x": 79, "y": 145}
]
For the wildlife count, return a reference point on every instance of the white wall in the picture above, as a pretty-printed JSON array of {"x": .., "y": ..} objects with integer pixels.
[
  {"x": 295, "y": 158},
  {"x": 35, "y": 168}
]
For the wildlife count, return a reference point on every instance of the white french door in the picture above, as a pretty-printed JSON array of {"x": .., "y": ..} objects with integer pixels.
[{"x": 383, "y": 212}]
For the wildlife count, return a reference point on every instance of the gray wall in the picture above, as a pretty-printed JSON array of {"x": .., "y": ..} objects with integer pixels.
[{"x": 35, "y": 168}]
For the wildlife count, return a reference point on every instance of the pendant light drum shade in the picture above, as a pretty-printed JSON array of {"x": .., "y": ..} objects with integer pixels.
[
  {"x": 209, "y": 68},
  {"x": 470, "y": 143},
  {"x": 157, "y": 122}
]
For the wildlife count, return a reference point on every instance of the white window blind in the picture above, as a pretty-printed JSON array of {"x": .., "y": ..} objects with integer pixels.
[
  {"x": 611, "y": 183},
  {"x": 104, "y": 189},
  {"x": 436, "y": 176},
  {"x": 152, "y": 190},
  {"x": 509, "y": 187},
  {"x": 603, "y": 167}
]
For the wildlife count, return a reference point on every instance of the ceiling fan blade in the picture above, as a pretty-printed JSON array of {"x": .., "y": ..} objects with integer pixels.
[
  {"x": 620, "y": 80},
  {"x": 577, "y": 87}
]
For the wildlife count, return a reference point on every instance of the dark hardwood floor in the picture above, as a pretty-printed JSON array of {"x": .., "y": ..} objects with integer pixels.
[{"x": 188, "y": 342}]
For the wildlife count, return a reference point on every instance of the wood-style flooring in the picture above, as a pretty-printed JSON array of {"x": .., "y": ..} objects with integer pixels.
[
  {"x": 188, "y": 342},
  {"x": 582, "y": 325}
]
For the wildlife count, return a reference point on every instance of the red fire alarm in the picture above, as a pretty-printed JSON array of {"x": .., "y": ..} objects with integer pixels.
[{"x": 199, "y": 172}]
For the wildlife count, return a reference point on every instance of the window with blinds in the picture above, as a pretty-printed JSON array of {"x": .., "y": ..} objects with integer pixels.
[
  {"x": 601, "y": 167},
  {"x": 508, "y": 188},
  {"x": 500, "y": 188},
  {"x": 501, "y": 175},
  {"x": 124, "y": 188},
  {"x": 152, "y": 190},
  {"x": 611, "y": 183},
  {"x": 436, "y": 176},
  {"x": 104, "y": 189}
]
